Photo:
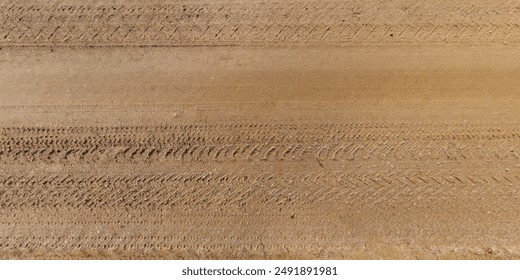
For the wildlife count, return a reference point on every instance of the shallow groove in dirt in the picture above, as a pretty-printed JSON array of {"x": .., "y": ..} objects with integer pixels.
[
  {"x": 259, "y": 142},
  {"x": 259, "y": 23}
]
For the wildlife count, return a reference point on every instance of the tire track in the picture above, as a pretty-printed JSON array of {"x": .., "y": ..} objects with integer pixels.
[
  {"x": 208, "y": 190},
  {"x": 260, "y": 23},
  {"x": 407, "y": 154},
  {"x": 260, "y": 142}
]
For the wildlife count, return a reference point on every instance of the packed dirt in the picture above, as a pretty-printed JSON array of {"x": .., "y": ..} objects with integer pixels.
[{"x": 260, "y": 129}]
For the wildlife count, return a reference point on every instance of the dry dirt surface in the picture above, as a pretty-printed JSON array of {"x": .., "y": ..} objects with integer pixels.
[{"x": 259, "y": 129}]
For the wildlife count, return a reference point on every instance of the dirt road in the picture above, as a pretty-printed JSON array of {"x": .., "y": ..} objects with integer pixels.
[{"x": 259, "y": 129}]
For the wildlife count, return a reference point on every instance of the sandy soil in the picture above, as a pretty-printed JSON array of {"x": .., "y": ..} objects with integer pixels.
[{"x": 259, "y": 129}]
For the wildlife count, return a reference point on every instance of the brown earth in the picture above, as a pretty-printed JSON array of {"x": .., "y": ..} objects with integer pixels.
[{"x": 260, "y": 129}]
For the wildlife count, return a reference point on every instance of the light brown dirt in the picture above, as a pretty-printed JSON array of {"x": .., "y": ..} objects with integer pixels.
[{"x": 259, "y": 129}]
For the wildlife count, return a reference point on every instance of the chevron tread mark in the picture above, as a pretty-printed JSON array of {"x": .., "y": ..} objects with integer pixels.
[
  {"x": 259, "y": 142},
  {"x": 264, "y": 23}
]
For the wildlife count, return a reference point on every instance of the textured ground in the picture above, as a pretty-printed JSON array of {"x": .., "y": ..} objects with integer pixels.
[{"x": 259, "y": 129}]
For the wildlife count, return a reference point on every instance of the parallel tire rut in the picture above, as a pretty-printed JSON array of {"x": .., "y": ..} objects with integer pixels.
[{"x": 321, "y": 165}]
